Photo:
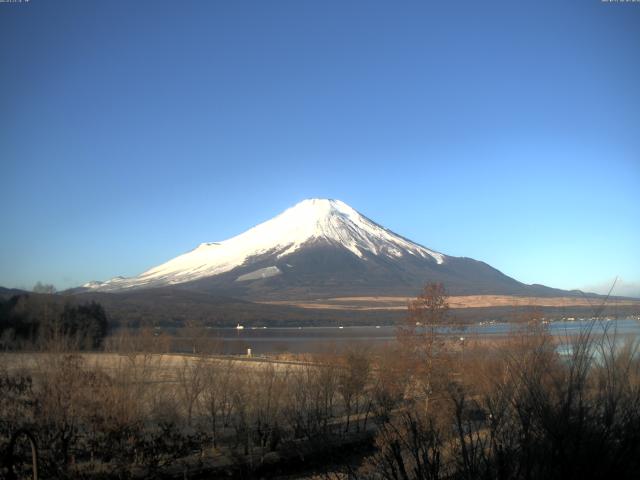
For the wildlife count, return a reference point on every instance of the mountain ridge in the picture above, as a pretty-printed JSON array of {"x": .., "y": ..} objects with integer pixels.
[
  {"x": 310, "y": 220},
  {"x": 320, "y": 248}
]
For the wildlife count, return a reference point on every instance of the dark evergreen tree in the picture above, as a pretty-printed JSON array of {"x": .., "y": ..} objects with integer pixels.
[{"x": 26, "y": 318}]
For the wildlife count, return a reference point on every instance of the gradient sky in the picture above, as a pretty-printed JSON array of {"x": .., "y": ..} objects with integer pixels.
[{"x": 131, "y": 131}]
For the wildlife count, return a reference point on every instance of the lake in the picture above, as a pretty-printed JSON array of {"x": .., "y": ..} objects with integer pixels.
[{"x": 319, "y": 339}]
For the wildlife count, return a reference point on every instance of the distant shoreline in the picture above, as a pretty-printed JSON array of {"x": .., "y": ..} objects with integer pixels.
[{"x": 455, "y": 302}]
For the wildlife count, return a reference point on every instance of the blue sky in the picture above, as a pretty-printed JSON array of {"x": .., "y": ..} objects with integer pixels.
[{"x": 504, "y": 131}]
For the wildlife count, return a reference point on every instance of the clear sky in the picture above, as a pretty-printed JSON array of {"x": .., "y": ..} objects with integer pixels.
[{"x": 131, "y": 131}]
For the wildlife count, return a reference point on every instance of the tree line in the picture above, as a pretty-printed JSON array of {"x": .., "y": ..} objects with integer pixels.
[{"x": 33, "y": 320}]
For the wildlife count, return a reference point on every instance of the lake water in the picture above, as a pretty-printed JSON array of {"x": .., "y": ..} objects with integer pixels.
[{"x": 319, "y": 339}]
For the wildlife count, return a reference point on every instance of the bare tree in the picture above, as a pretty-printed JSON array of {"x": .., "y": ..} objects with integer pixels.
[
  {"x": 191, "y": 376},
  {"x": 215, "y": 400},
  {"x": 352, "y": 380},
  {"x": 270, "y": 386},
  {"x": 241, "y": 398},
  {"x": 390, "y": 382},
  {"x": 62, "y": 386},
  {"x": 408, "y": 448},
  {"x": 327, "y": 379},
  {"x": 420, "y": 337}
]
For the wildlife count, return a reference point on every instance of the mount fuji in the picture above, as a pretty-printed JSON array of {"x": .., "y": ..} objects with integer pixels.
[{"x": 319, "y": 248}]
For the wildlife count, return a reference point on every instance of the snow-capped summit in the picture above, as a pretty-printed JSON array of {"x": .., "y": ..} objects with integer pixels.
[
  {"x": 331, "y": 220},
  {"x": 310, "y": 222}
]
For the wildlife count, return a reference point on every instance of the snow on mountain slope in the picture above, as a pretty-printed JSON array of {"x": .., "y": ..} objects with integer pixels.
[
  {"x": 260, "y": 273},
  {"x": 311, "y": 220}
]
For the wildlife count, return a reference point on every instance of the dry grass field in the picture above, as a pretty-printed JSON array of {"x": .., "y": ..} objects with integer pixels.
[
  {"x": 465, "y": 301},
  {"x": 158, "y": 368}
]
